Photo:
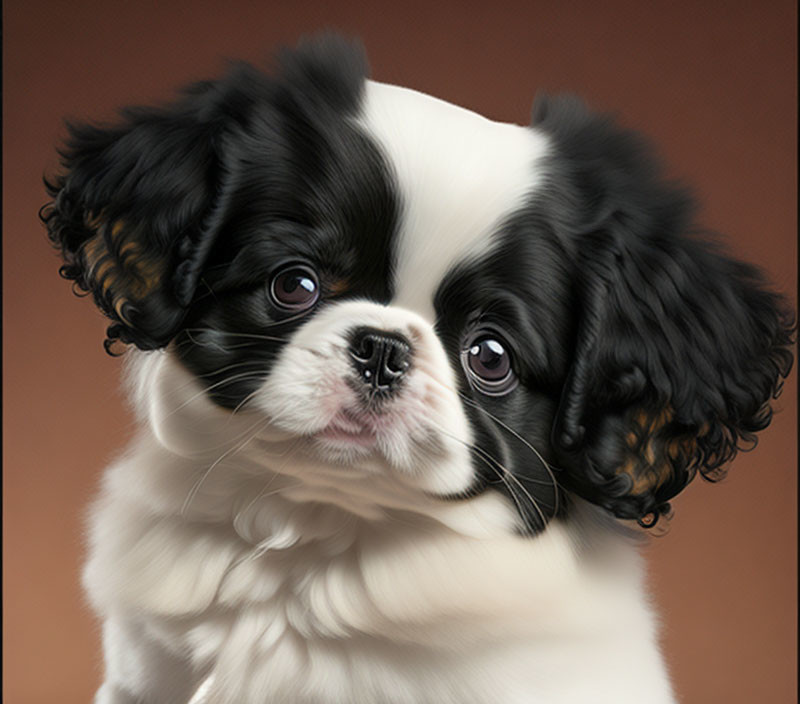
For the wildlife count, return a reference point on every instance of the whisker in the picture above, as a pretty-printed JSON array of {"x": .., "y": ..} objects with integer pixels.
[
  {"x": 256, "y": 427},
  {"x": 505, "y": 476},
  {"x": 548, "y": 467},
  {"x": 255, "y": 374},
  {"x": 274, "y": 323},
  {"x": 530, "y": 498},
  {"x": 536, "y": 452},
  {"x": 229, "y": 333},
  {"x": 257, "y": 363},
  {"x": 247, "y": 398}
]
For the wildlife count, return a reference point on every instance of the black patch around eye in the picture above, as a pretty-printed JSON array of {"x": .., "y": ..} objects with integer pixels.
[
  {"x": 506, "y": 321},
  {"x": 311, "y": 214},
  {"x": 231, "y": 343}
]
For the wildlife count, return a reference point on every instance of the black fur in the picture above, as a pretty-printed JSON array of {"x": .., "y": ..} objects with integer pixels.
[{"x": 679, "y": 348}]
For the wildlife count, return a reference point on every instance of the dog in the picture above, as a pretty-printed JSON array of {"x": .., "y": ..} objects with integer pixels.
[{"x": 411, "y": 387}]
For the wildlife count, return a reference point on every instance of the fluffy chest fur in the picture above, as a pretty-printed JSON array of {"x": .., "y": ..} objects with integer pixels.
[
  {"x": 394, "y": 617},
  {"x": 305, "y": 602}
]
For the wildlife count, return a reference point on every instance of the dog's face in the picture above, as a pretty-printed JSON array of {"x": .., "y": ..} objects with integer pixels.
[{"x": 400, "y": 284}]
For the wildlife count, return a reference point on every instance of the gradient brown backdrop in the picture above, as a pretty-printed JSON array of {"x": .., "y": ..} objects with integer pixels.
[{"x": 714, "y": 83}]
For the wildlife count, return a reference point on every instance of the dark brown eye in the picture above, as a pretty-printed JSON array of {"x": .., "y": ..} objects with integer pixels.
[
  {"x": 488, "y": 359},
  {"x": 295, "y": 288},
  {"x": 488, "y": 364}
]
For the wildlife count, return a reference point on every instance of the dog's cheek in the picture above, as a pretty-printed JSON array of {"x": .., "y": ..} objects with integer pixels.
[{"x": 172, "y": 402}]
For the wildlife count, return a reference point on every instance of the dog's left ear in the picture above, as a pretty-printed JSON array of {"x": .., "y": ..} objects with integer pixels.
[
  {"x": 679, "y": 350},
  {"x": 133, "y": 210}
]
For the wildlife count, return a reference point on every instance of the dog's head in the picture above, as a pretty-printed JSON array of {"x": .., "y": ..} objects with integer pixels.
[{"x": 398, "y": 282}]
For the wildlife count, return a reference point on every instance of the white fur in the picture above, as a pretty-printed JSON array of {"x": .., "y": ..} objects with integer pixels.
[
  {"x": 238, "y": 558},
  {"x": 459, "y": 175}
]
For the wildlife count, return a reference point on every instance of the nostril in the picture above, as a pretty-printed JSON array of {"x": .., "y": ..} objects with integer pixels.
[
  {"x": 365, "y": 350},
  {"x": 397, "y": 358}
]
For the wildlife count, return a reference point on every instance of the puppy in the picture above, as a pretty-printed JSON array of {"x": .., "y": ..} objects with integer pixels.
[{"x": 407, "y": 379}]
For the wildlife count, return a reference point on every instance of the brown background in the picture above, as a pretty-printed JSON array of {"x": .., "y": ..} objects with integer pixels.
[{"x": 714, "y": 83}]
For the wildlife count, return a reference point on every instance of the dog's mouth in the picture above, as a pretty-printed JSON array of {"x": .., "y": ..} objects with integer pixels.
[{"x": 350, "y": 429}]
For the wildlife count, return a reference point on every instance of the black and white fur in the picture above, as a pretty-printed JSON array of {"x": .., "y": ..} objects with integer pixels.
[{"x": 404, "y": 488}]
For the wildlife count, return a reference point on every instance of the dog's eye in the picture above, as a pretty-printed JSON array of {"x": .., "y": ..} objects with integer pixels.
[
  {"x": 488, "y": 359},
  {"x": 488, "y": 365},
  {"x": 295, "y": 288}
]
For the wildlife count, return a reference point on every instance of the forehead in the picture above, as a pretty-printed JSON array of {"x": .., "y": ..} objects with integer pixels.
[{"x": 458, "y": 177}]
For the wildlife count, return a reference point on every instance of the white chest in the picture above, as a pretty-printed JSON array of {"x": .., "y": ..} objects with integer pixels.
[{"x": 389, "y": 612}]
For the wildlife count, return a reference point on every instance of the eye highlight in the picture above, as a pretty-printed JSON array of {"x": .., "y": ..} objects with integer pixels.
[
  {"x": 294, "y": 288},
  {"x": 487, "y": 363}
]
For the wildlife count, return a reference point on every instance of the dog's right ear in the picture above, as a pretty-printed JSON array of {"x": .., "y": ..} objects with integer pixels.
[
  {"x": 680, "y": 349},
  {"x": 133, "y": 209}
]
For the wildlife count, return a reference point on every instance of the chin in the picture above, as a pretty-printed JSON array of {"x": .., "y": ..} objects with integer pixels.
[{"x": 412, "y": 387}]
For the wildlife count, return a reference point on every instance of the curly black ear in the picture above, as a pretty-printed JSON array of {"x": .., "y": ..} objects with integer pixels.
[
  {"x": 680, "y": 348},
  {"x": 136, "y": 209},
  {"x": 133, "y": 209}
]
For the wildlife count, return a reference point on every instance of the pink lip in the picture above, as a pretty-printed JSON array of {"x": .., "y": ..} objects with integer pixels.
[{"x": 347, "y": 429}]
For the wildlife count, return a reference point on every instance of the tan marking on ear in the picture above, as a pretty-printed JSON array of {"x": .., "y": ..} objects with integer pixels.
[
  {"x": 681, "y": 447},
  {"x": 650, "y": 458},
  {"x": 629, "y": 467},
  {"x": 644, "y": 478},
  {"x": 95, "y": 254},
  {"x": 650, "y": 478},
  {"x": 655, "y": 423},
  {"x": 130, "y": 275},
  {"x": 147, "y": 275},
  {"x": 650, "y": 453},
  {"x": 647, "y": 466},
  {"x": 94, "y": 221},
  {"x": 104, "y": 275},
  {"x": 118, "y": 307}
]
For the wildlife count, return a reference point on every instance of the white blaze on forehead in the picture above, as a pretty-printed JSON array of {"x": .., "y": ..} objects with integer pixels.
[{"x": 459, "y": 175}]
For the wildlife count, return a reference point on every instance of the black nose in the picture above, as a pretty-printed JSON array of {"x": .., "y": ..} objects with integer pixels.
[{"x": 380, "y": 358}]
